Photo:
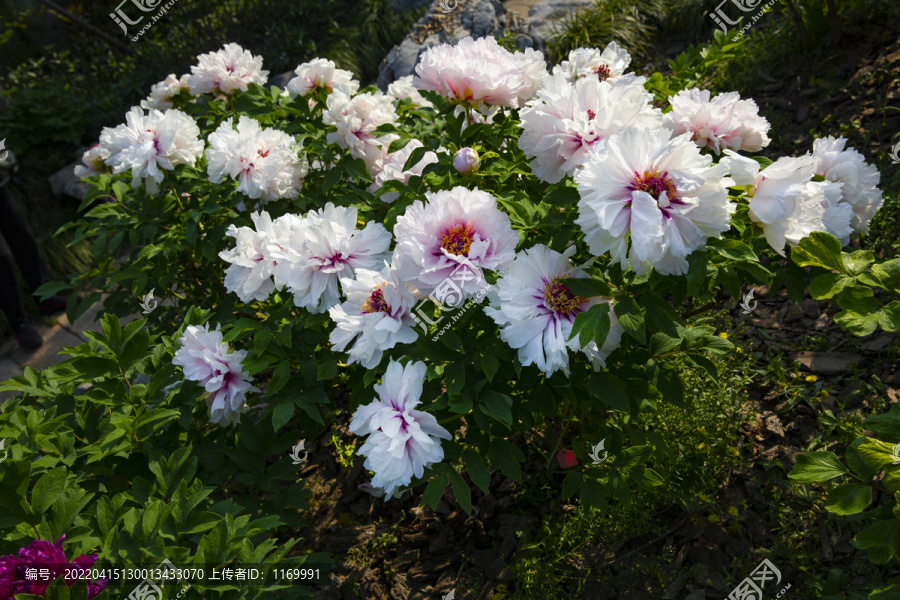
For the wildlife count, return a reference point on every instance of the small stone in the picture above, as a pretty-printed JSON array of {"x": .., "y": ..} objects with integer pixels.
[
  {"x": 878, "y": 343},
  {"x": 828, "y": 363},
  {"x": 811, "y": 308}
]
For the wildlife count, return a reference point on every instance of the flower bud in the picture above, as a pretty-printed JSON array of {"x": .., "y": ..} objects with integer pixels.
[{"x": 466, "y": 161}]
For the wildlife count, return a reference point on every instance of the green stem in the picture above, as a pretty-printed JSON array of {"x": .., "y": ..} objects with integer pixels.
[{"x": 454, "y": 417}]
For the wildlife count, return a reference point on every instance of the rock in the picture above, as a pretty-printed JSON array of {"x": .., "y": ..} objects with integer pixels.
[
  {"x": 543, "y": 15},
  {"x": 821, "y": 322},
  {"x": 697, "y": 595},
  {"x": 507, "y": 546},
  {"x": 827, "y": 363},
  {"x": 64, "y": 183},
  {"x": 811, "y": 308},
  {"x": 772, "y": 425},
  {"x": 400, "y": 62},
  {"x": 482, "y": 21},
  {"x": 878, "y": 343},
  {"x": 280, "y": 81}
]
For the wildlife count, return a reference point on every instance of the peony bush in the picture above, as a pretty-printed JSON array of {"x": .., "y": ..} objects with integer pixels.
[{"x": 324, "y": 238}]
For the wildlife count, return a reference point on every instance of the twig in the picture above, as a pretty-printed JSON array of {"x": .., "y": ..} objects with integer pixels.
[{"x": 64, "y": 14}]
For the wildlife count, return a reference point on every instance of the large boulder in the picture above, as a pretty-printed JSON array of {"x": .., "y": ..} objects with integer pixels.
[{"x": 543, "y": 15}]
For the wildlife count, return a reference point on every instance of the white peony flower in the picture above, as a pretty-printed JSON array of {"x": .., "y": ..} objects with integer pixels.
[
  {"x": 94, "y": 162},
  {"x": 264, "y": 161},
  {"x": 479, "y": 72},
  {"x": 390, "y": 168},
  {"x": 565, "y": 122},
  {"x": 860, "y": 180},
  {"x": 377, "y": 314},
  {"x": 818, "y": 208},
  {"x": 774, "y": 192},
  {"x": 229, "y": 70},
  {"x": 356, "y": 118},
  {"x": 657, "y": 190},
  {"x": 321, "y": 250},
  {"x": 725, "y": 121},
  {"x": 592, "y": 63},
  {"x": 151, "y": 144},
  {"x": 404, "y": 88},
  {"x": 455, "y": 228},
  {"x": 206, "y": 359},
  {"x": 250, "y": 273},
  {"x": 534, "y": 72},
  {"x": 161, "y": 93},
  {"x": 321, "y": 73},
  {"x": 535, "y": 311},
  {"x": 402, "y": 441}
]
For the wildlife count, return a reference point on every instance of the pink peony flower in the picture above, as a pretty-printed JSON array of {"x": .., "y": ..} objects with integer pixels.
[
  {"x": 455, "y": 228},
  {"x": 206, "y": 359},
  {"x": 229, "y": 70},
  {"x": 479, "y": 72},
  {"x": 321, "y": 73},
  {"x": 46, "y": 556},
  {"x": 355, "y": 119},
  {"x": 722, "y": 122}
]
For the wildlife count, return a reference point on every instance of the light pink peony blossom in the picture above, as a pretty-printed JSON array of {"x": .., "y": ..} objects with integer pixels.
[
  {"x": 592, "y": 63},
  {"x": 94, "y": 162},
  {"x": 479, "y": 72},
  {"x": 724, "y": 121},
  {"x": 151, "y": 144},
  {"x": 355, "y": 119},
  {"x": 161, "y": 93},
  {"x": 390, "y": 168},
  {"x": 456, "y": 228},
  {"x": 206, "y": 359},
  {"x": 321, "y": 73},
  {"x": 566, "y": 121},
  {"x": 226, "y": 71}
]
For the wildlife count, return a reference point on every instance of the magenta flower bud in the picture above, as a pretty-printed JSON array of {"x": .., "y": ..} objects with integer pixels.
[{"x": 466, "y": 161}]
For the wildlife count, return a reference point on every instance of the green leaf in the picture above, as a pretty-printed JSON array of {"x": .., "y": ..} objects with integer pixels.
[
  {"x": 506, "y": 456},
  {"x": 889, "y": 316},
  {"x": 561, "y": 194},
  {"x": 816, "y": 467},
  {"x": 50, "y": 288},
  {"x": 434, "y": 490},
  {"x": 571, "y": 484},
  {"x": 497, "y": 406},
  {"x": 261, "y": 340},
  {"x": 587, "y": 287},
  {"x": 630, "y": 317},
  {"x": 795, "y": 282},
  {"x": 705, "y": 364},
  {"x": 282, "y": 414},
  {"x": 477, "y": 469},
  {"x": 733, "y": 249},
  {"x": 820, "y": 249},
  {"x": 827, "y": 285},
  {"x": 880, "y": 535},
  {"x": 886, "y": 424},
  {"x": 461, "y": 490},
  {"x": 859, "y": 261},
  {"x": 593, "y": 324},
  {"x": 593, "y": 494},
  {"x": 48, "y": 490},
  {"x": 875, "y": 453},
  {"x": 849, "y": 499},
  {"x": 609, "y": 389},
  {"x": 489, "y": 365},
  {"x": 661, "y": 316},
  {"x": 279, "y": 377}
]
